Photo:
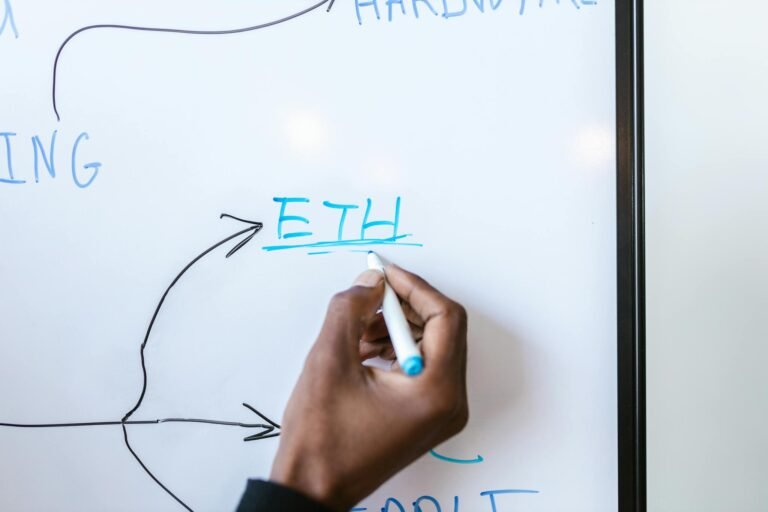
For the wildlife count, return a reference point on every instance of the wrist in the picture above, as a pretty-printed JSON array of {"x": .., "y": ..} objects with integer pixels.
[{"x": 312, "y": 480}]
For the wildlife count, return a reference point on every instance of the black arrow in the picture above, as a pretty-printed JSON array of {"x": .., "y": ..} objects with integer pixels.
[
  {"x": 266, "y": 430},
  {"x": 174, "y": 31},
  {"x": 251, "y": 231}
]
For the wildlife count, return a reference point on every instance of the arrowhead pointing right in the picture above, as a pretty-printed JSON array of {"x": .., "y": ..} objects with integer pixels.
[
  {"x": 255, "y": 228},
  {"x": 273, "y": 430}
]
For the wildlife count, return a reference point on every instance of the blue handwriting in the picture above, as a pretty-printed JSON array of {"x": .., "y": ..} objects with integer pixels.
[
  {"x": 492, "y": 495},
  {"x": 8, "y": 20},
  {"x": 44, "y": 157},
  {"x": 453, "y": 460},
  {"x": 431, "y": 504},
  {"x": 446, "y": 9},
  {"x": 293, "y": 224}
]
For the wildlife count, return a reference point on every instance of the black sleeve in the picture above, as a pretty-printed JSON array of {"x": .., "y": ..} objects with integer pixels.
[{"x": 261, "y": 496}]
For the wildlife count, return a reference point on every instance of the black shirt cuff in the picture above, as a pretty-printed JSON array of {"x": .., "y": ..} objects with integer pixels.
[{"x": 261, "y": 496}]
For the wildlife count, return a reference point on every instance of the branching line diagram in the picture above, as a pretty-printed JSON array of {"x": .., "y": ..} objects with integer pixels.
[
  {"x": 264, "y": 428},
  {"x": 267, "y": 429}
]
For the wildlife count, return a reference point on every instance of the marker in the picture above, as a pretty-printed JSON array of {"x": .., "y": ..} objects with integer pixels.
[{"x": 406, "y": 350}]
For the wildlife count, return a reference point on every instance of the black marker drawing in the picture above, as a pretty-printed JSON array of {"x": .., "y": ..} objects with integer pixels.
[
  {"x": 174, "y": 31},
  {"x": 266, "y": 430},
  {"x": 251, "y": 231}
]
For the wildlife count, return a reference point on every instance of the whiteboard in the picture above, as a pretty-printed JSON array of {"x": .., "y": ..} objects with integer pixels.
[{"x": 479, "y": 141}]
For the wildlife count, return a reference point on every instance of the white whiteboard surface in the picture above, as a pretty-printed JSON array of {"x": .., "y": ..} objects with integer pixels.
[{"x": 495, "y": 129}]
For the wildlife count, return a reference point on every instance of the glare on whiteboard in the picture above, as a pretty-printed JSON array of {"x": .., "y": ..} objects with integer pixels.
[
  {"x": 307, "y": 134},
  {"x": 383, "y": 171},
  {"x": 593, "y": 148}
]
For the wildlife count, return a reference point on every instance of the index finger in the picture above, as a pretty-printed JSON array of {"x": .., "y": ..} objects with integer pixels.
[
  {"x": 445, "y": 321},
  {"x": 348, "y": 315}
]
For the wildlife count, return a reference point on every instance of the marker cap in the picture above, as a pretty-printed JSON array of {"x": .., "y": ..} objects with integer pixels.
[{"x": 412, "y": 366}]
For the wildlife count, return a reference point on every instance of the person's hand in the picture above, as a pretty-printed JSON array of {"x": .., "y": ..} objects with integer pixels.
[{"x": 349, "y": 428}]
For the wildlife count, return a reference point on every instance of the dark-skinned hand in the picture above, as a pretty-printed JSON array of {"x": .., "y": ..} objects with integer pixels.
[{"x": 348, "y": 428}]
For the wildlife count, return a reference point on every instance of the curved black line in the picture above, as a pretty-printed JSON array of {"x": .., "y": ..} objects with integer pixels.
[
  {"x": 256, "y": 227},
  {"x": 267, "y": 430},
  {"x": 244, "y": 221},
  {"x": 172, "y": 31},
  {"x": 146, "y": 469}
]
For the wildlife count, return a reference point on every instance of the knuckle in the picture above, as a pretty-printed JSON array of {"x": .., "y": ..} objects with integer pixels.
[
  {"x": 460, "y": 313},
  {"x": 456, "y": 313},
  {"x": 340, "y": 301},
  {"x": 442, "y": 407},
  {"x": 342, "y": 304},
  {"x": 461, "y": 420}
]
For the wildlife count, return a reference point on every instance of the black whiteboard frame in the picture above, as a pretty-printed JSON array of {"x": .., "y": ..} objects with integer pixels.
[{"x": 630, "y": 255}]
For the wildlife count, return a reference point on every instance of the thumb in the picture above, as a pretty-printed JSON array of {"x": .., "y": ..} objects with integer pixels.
[{"x": 349, "y": 313}]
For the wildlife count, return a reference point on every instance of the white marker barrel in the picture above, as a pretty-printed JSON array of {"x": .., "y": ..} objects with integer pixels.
[{"x": 408, "y": 353}]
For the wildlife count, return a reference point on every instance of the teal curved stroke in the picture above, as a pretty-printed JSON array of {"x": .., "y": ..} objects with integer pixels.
[{"x": 476, "y": 460}]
